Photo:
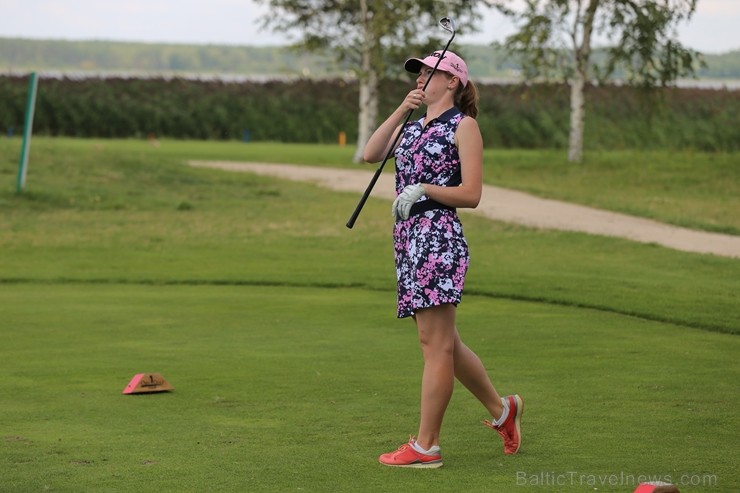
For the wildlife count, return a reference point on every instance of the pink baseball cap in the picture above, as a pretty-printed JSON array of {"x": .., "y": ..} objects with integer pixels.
[
  {"x": 656, "y": 487},
  {"x": 450, "y": 63}
]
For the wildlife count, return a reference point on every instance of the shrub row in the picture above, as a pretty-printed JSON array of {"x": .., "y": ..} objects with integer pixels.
[{"x": 512, "y": 116}]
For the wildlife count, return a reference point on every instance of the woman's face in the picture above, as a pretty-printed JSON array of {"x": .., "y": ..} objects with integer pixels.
[
  {"x": 424, "y": 75},
  {"x": 437, "y": 86}
]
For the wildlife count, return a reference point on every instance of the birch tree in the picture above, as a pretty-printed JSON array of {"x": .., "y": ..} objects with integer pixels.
[
  {"x": 554, "y": 39},
  {"x": 372, "y": 37}
]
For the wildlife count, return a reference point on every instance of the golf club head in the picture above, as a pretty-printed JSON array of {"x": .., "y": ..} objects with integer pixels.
[{"x": 448, "y": 24}]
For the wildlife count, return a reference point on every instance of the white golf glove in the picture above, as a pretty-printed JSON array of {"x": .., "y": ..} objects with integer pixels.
[{"x": 402, "y": 205}]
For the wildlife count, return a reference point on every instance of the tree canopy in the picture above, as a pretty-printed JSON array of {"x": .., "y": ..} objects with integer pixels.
[
  {"x": 557, "y": 37},
  {"x": 395, "y": 29}
]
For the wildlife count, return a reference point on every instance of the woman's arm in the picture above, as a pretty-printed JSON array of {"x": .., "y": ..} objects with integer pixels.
[
  {"x": 470, "y": 148},
  {"x": 379, "y": 144}
]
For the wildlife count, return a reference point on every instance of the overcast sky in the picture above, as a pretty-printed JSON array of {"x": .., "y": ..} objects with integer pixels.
[{"x": 715, "y": 28}]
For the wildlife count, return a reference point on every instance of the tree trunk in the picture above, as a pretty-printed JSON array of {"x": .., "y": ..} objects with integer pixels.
[
  {"x": 368, "y": 116},
  {"x": 582, "y": 50},
  {"x": 577, "y": 118}
]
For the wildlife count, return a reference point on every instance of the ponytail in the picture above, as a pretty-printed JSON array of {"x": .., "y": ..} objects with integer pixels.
[{"x": 466, "y": 99}]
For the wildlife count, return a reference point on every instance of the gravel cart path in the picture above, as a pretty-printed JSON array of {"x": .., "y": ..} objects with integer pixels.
[{"x": 510, "y": 206}]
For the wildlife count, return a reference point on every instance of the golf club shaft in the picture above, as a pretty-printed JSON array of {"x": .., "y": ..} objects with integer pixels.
[{"x": 374, "y": 180}]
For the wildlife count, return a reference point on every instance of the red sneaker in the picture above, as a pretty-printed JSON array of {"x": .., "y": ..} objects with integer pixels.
[
  {"x": 510, "y": 430},
  {"x": 407, "y": 456}
]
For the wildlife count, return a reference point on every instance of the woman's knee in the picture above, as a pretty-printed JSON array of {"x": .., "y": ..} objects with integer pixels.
[{"x": 437, "y": 331}]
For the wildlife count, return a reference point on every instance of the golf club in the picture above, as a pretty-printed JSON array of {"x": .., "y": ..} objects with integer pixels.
[{"x": 448, "y": 24}]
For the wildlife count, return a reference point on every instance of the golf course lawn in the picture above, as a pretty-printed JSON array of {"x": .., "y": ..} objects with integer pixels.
[{"x": 276, "y": 326}]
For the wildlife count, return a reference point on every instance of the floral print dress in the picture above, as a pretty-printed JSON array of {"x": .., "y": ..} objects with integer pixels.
[{"x": 431, "y": 253}]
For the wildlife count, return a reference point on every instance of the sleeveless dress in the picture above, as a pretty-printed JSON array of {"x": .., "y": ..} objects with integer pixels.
[{"x": 431, "y": 253}]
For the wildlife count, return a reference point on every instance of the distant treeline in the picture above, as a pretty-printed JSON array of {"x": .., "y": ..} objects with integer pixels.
[
  {"x": 107, "y": 56},
  {"x": 316, "y": 111}
]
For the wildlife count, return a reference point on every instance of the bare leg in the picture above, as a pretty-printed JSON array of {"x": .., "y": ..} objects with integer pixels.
[
  {"x": 469, "y": 370},
  {"x": 436, "y": 327}
]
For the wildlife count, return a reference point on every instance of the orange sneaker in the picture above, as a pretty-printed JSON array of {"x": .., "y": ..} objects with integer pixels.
[
  {"x": 510, "y": 430},
  {"x": 407, "y": 456}
]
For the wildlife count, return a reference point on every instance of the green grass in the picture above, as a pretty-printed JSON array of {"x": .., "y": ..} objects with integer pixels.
[
  {"x": 695, "y": 189},
  {"x": 691, "y": 189},
  {"x": 275, "y": 323},
  {"x": 299, "y": 389}
]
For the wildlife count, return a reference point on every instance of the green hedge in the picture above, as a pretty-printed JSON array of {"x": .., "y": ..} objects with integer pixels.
[{"x": 512, "y": 116}]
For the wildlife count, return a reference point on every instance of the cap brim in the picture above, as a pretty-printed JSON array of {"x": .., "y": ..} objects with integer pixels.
[{"x": 413, "y": 65}]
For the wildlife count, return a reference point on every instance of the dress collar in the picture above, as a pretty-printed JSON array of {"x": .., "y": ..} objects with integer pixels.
[{"x": 444, "y": 117}]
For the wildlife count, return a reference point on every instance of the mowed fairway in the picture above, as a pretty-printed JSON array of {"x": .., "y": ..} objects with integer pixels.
[{"x": 276, "y": 325}]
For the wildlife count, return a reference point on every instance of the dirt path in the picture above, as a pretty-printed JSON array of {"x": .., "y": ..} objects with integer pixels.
[{"x": 511, "y": 206}]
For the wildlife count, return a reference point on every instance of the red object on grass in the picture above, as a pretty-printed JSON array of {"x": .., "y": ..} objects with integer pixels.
[{"x": 144, "y": 383}]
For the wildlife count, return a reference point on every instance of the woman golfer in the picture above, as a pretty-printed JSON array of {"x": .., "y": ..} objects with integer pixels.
[{"x": 439, "y": 167}]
